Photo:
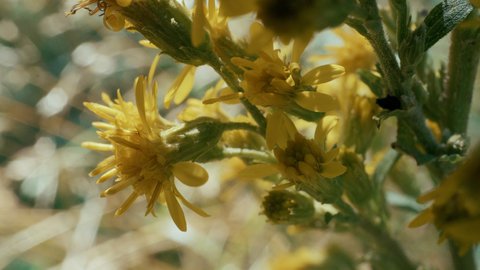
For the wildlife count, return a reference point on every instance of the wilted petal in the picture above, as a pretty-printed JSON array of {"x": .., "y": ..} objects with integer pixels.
[{"x": 189, "y": 173}]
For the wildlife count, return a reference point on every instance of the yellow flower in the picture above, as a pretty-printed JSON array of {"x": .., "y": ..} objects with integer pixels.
[
  {"x": 355, "y": 52},
  {"x": 270, "y": 82},
  {"x": 141, "y": 156},
  {"x": 112, "y": 19},
  {"x": 301, "y": 161},
  {"x": 305, "y": 160},
  {"x": 207, "y": 18},
  {"x": 456, "y": 205}
]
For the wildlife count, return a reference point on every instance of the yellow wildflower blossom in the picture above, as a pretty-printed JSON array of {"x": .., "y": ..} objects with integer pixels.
[
  {"x": 300, "y": 160},
  {"x": 270, "y": 82},
  {"x": 141, "y": 156},
  {"x": 456, "y": 205},
  {"x": 112, "y": 19}
]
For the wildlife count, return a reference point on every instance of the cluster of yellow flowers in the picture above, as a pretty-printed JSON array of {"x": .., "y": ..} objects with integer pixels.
[
  {"x": 265, "y": 74},
  {"x": 144, "y": 153}
]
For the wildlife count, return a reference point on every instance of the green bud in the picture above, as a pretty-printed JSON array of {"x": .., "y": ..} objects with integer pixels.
[
  {"x": 356, "y": 183},
  {"x": 412, "y": 49},
  {"x": 285, "y": 207},
  {"x": 194, "y": 139}
]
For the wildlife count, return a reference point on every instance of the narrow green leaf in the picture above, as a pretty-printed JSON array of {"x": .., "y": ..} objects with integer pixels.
[{"x": 443, "y": 18}]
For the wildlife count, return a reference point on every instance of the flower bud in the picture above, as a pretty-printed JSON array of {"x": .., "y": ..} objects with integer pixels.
[{"x": 282, "y": 206}]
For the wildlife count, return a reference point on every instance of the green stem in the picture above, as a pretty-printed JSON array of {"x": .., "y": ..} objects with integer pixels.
[
  {"x": 462, "y": 262},
  {"x": 248, "y": 153},
  {"x": 244, "y": 126},
  {"x": 394, "y": 78},
  {"x": 462, "y": 70}
]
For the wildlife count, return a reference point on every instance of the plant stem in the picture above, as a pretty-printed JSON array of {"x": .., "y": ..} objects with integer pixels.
[
  {"x": 394, "y": 79},
  {"x": 248, "y": 153},
  {"x": 462, "y": 262},
  {"x": 462, "y": 70},
  {"x": 240, "y": 125}
]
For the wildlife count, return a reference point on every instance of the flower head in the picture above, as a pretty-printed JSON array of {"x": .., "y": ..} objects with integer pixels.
[
  {"x": 303, "y": 160},
  {"x": 271, "y": 82},
  {"x": 456, "y": 206},
  {"x": 141, "y": 155}
]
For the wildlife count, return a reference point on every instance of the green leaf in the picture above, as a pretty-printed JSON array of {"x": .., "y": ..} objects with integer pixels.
[
  {"x": 373, "y": 81},
  {"x": 443, "y": 18}
]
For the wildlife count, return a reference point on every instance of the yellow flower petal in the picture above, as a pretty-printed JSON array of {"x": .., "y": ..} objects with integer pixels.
[
  {"x": 153, "y": 67},
  {"x": 111, "y": 173},
  {"x": 126, "y": 204},
  {"x": 315, "y": 101},
  {"x": 103, "y": 166},
  {"x": 323, "y": 74},
  {"x": 422, "y": 219},
  {"x": 188, "y": 204},
  {"x": 174, "y": 208},
  {"x": 102, "y": 147},
  {"x": 258, "y": 171},
  {"x": 280, "y": 129},
  {"x": 189, "y": 173},
  {"x": 140, "y": 98},
  {"x": 333, "y": 169},
  {"x": 198, "y": 23},
  {"x": 153, "y": 198},
  {"x": 324, "y": 126},
  {"x": 181, "y": 87}
]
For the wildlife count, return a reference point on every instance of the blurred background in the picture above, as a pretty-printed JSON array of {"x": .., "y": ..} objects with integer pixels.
[{"x": 51, "y": 215}]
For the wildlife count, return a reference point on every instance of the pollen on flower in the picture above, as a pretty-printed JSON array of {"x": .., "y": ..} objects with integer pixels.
[{"x": 140, "y": 156}]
